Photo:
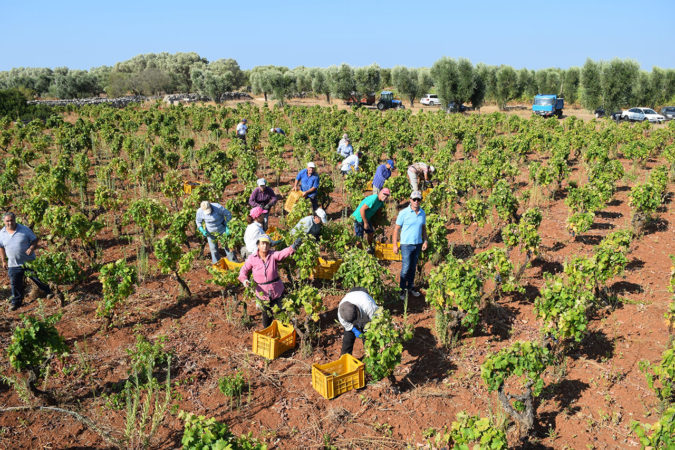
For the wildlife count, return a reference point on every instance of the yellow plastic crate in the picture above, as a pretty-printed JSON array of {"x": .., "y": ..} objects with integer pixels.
[
  {"x": 338, "y": 377},
  {"x": 274, "y": 340},
  {"x": 292, "y": 199},
  {"x": 426, "y": 192},
  {"x": 188, "y": 185},
  {"x": 225, "y": 264},
  {"x": 326, "y": 270},
  {"x": 386, "y": 252}
]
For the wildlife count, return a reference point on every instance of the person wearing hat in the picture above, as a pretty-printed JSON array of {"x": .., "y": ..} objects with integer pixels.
[
  {"x": 242, "y": 128},
  {"x": 411, "y": 223},
  {"x": 254, "y": 230},
  {"x": 212, "y": 219},
  {"x": 382, "y": 174},
  {"x": 365, "y": 211},
  {"x": 350, "y": 163},
  {"x": 418, "y": 171},
  {"x": 263, "y": 263},
  {"x": 355, "y": 310},
  {"x": 308, "y": 181},
  {"x": 345, "y": 148},
  {"x": 264, "y": 197},
  {"x": 311, "y": 224},
  {"x": 277, "y": 131}
]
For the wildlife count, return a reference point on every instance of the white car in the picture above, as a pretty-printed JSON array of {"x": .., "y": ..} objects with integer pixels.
[
  {"x": 430, "y": 100},
  {"x": 641, "y": 114}
]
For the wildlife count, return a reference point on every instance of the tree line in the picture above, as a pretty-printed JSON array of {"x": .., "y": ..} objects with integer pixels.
[{"x": 610, "y": 84}]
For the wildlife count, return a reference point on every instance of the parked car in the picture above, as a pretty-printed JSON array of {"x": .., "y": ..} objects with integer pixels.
[
  {"x": 453, "y": 108},
  {"x": 641, "y": 114},
  {"x": 430, "y": 100},
  {"x": 600, "y": 112},
  {"x": 668, "y": 112}
]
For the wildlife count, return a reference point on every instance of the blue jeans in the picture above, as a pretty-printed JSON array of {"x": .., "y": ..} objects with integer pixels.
[
  {"x": 359, "y": 229},
  {"x": 215, "y": 256},
  {"x": 410, "y": 253},
  {"x": 18, "y": 284}
]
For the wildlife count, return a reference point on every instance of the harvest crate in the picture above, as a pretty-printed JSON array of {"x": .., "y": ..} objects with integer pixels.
[
  {"x": 386, "y": 252},
  {"x": 426, "y": 192},
  {"x": 188, "y": 185},
  {"x": 326, "y": 270},
  {"x": 338, "y": 377},
  {"x": 225, "y": 264},
  {"x": 274, "y": 340},
  {"x": 292, "y": 199}
]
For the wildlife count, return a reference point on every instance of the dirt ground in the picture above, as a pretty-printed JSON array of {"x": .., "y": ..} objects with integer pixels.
[{"x": 590, "y": 403}]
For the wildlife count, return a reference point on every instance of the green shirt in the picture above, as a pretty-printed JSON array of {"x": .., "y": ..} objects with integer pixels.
[{"x": 373, "y": 203}]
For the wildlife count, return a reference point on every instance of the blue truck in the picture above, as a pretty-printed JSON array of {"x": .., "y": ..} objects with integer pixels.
[{"x": 548, "y": 105}]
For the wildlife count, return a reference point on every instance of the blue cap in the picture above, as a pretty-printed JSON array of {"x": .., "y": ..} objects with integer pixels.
[{"x": 391, "y": 163}]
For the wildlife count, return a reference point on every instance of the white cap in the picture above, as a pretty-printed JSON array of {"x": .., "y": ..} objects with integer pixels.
[
  {"x": 322, "y": 215},
  {"x": 271, "y": 130},
  {"x": 261, "y": 182},
  {"x": 432, "y": 169},
  {"x": 206, "y": 207},
  {"x": 311, "y": 164},
  {"x": 345, "y": 136}
]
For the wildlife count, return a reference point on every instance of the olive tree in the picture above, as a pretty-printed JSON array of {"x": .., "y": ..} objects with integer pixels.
[
  {"x": 618, "y": 80},
  {"x": 591, "y": 88},
  {"x": 507, "y": 85},
  {"x": 342, "y": 81},
  {"x": 367, "y": 79}
]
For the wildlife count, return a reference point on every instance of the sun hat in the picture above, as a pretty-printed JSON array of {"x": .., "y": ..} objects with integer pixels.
[
  {"x": 386, "y": 191},
  {"x": 321, "y": 214},
  {"x": 261, "y": 182},
  {"x": 311, "y": 164},
  {"x": 206, "y": 207},
  {"x": 257, "y": 212},
  {"x": 271, "y": 130},
  {"x": 263, "y": 238},
  {"x": 345, "y": 136},
  {"x": 432, "y": 169},
  {"x": 391, "y": 163},
  {"x": 348, "y": 312}
]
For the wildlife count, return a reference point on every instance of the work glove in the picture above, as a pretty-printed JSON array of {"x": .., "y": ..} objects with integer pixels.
[
  {"x": 296, "y": 243},
  {"x": 246, "y": 283},
  {"x": 356, "y": 332},
  {"x": 203, "y": 231},
  {"x": 267, "y": 206}
]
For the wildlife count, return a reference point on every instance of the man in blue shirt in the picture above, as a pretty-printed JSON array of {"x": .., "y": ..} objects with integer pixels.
[
  {"x": 382, "y": 174},
  {"x": 309, "y": 183},
  {"x": 214, "y": 217},
  {"x": 17, "y": 247},
  {"x": 411, "y": 224}
]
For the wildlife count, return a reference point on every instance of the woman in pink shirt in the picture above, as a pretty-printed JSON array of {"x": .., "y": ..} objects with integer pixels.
[{"x": 263, "y": 264}]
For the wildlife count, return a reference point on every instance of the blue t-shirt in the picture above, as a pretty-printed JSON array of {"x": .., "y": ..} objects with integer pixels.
[
  {"x": 381, "y": 175},
  {"x": 308, "y": 181},
  {"x": 16, "y": 244},
  {"x": 411, "y": 224}
]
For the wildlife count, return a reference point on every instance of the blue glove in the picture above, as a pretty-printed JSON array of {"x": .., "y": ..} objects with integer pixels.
[
  {"x": 296, "y": 243},
  {"x": 202, "y": 231},
  {"x": 356, "y": 332}
]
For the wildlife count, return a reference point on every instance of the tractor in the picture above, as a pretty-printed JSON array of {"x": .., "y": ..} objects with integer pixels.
[{"x": 387, "y": 101}]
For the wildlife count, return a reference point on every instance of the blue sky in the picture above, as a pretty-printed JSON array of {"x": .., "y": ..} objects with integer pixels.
[{"x": 532, "y": 34}]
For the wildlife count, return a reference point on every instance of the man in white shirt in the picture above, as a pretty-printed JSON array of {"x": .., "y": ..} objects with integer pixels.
[
  {"x": 350, "y": 163},
  {"x": 241, "y": 130},
  {"x": 355, "y": 310}
]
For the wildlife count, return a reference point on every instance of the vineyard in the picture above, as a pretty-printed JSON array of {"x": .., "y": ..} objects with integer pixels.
[{"x": 546, "y": 314}]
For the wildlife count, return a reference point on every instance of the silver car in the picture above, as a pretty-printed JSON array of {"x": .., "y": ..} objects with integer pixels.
[{"x": 641, "y": 114}]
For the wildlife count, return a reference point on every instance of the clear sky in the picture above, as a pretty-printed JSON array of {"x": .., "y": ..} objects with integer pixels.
[{"x": 532, "y": 34}]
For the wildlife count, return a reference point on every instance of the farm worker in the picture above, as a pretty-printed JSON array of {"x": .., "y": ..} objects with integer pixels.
[
  {"x": 367, "y": 209},
  {"x": 382, "y": 174},
  {"x": 17, "y": 247},
  {"x": 350, "y": 163},
  {"x": 312, "y": 224},
  {"x": 309, "y": 183},
  {"x": 277, "y": 131},
  {"x": 241, "y": 130},
  {"x": 263, "y": 263},
  {"x": 212, "y": 218},
  {"x": 355, "y": 310},
  {"x": 417, "y": 171},
  {"x": 345, "y": 146},
  {"x": 411, "y": 223},
  {"x": 254, "y": 230},
  {"x": 264, "y": 197}
]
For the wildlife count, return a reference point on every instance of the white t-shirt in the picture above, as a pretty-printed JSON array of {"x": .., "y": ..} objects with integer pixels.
[
  {"x": 365, "y": 304},
  {"x": 251, "y": 236},
  {"x": 352, "y": 161},
  {"x": 241, "y": 129}
]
